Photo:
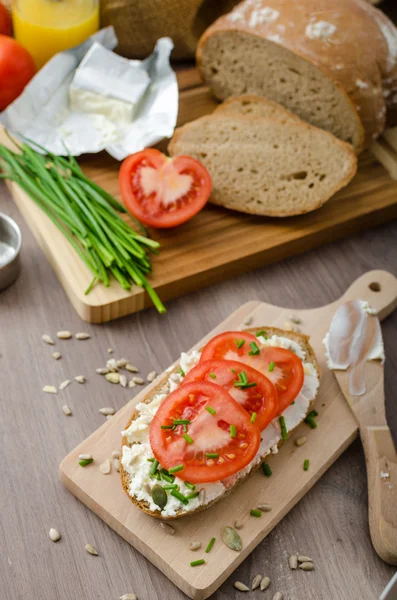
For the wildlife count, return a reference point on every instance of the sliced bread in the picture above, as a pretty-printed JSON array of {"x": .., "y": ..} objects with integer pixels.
[
  {"x": 256, "y": 106},
  {"x": 264, "y": 166},
  {"x": 309, "y": 392}
]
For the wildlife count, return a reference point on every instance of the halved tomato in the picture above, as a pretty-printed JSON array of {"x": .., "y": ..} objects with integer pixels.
[
  {"x": 161, "y": 191},
  {"x": 201, "y": 434},
  {"x": 252, "y": 390},
  {"x": 281, "y": 366}
]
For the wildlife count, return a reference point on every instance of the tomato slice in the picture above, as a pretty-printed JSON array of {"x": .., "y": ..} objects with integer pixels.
[
  {"x": 281, "y": 366},
  {"x": 163, "y": 192},
  {"x": 252, "y": 390},
  {"x": 214, "y": 440}
]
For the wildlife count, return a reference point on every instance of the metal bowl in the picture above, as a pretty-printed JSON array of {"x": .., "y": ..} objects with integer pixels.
[{"x": 10, "y": 246}]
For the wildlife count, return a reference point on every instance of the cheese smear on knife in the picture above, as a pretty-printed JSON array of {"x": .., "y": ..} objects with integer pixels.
[{"x": 135, "y": 457}]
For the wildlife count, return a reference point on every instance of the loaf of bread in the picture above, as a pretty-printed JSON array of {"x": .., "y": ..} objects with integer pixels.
[
  {"x": 334, "y": 64},
  {"x": 256, "y": 106},
  {"x": 263, "y": 166}
]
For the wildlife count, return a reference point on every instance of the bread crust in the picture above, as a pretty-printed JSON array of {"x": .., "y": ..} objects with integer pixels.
[
  {"x": 358, "y": 57},
  {"x": 300, "y": 338}
]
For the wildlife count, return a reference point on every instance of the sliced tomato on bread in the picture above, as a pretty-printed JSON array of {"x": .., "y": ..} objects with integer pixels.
[
  {"x": 252, "y": 390},
  {"x": 201, "y": 434},
  {"x": 281, "y": 366}
]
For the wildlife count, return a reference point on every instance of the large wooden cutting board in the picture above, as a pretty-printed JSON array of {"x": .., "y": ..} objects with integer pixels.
[
  {"x": 337, "y": 428},
  {"x": 217, "y": 243}
]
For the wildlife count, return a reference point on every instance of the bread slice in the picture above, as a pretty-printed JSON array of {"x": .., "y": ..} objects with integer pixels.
[
  {"x": 266, "y": 167},
  {"x": 250, "y": 105},
  {"x": 310, "y": 358}
]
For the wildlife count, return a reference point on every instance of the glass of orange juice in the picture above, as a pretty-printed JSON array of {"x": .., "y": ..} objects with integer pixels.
[{"x": 46, "y": 27}]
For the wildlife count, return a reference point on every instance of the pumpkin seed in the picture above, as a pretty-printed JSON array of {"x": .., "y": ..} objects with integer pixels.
[
  {"x": 48, "y": 340},
  {"x": 116, "y": 464},
  {"x": 293, "y": 561},
  {"x": 80, "y": 378},
  {"x": 169, "y": 530},
  {"x": 112, "y": 377},
  {"x": 131, "y": 368},
  {"x": 116, "y": 454},
  {"x": 54, "y": 534},
  {"x": 123, "y": 381},
  {"x": 265, "y": 583},
  {"x": 159, "y": 496},
  {"x": 64, "y": 335},
  {"x": 81, "y": 335},
  {"x": 91, "y": 549},
  {"x": 278, "y": 596},
  {"x": 151, "y": 376},
  {"x": 129, "y": 597},
  {"x": 302, "y": 558},
  {"x": 256, "y": 582},
  {"x": 64, "y": 384},
  {"x": 238, "y": 524},
  {"x": 306, "y": 566},
  {"x": 56, "y": 355},
  {"x": 50, "y": 389},
  {"x": 107, "y": 410},
  {"x": 265, "y": 507},
  {"x": 300, "y": 441},
  {"x": 66, "y": 410},
  {"x": 231, "y": 538},
  {"x": 102, "y": 371},
  {"x": 131, "y": 384},
  {"x": 194, "y": 546},
  {"x": 241, "y": 587},
  {"x": 105, "y": 467},
  {"x": 138, "y": 380},
  {"x": 85, "y": 456}
]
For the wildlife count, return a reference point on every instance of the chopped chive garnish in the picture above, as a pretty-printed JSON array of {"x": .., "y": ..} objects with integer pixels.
[
  {"x": 150, "y": 459},
  {"x": 266, "y": 469},
  {"x": 253, "y": 417},
  {"x": 254, "y": 512},
  {"x": 313, "y": 413},
  {"x": 166, "y": 426},
  {"x": 243, "y": 385},
  {"x": 306, "y": 464},
  {"x": 154, "y": 466},
  {"x": 188, "y": 438},
  {"x": 182, "y": 422},
  {"x": 210, "y": 544},
  {"x": 260, "y": 333},
  {"x": 210, "y": 410},
  {"x": 175, "y": 469},
  {"x": 180, "y": 497},
  {"x": 271, "y": 367},
  {"x": 193, "y": 495},
  {"x": 284, "y": 432},
  {"x": 190, "y": 485},
  {"x": 212, "y": 375},
  {"x": 233, "y": 370},
  {"x": 243, "y": 377},
  {"x": 212, "y": 455},
  {"x": 85, "y": 461},
  {"x": 181, "y": 372},
  {"x": 196, "y": 563},
  {"x": 310, "y": 421},
  {"x": 166, "y": 476},
  {"x": 156, "y": 475},
  {"x": 254, "y": 349},
  {"x": 165, "y": 472},
  {"x": 171, "y": 486},
  {"x": 233, "y": 431},
  {"x": 184, "y": 428},
  {"x": 239, "y": 343}
]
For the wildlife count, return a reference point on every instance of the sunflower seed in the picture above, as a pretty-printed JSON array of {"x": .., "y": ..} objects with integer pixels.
[
  {"x": 81, "y": 335},
  {"x": 80, "y": 378},
  {"x": 300, "y": 441},
  {"x": 66, "y": 410},
  {"x": 169, "y": 530},
  {"x": 112, "y": 365},
  {"x": 247, "y": 321},
  {"x": 265, "y": 507},
  {"x": 50, "y": 389},
  {"x": 238, "y": 524},
  {"x": 278, "y": 596},
  {"x": 112, "y": 377},
  {"x": 293, "y": 561},
  {"x": 91, "y": 549},
  {"x": 64, "y": 384},
  {"x": 85, "y": 456},
  {"x": 105, "y": 467},
  {"x": 107, "y": 410},
  {"x": 123, "y": 381},
  {"x": 131, "y": 384},
  {"x": 102, "y": 371},
  {"x": 108, "y": 417},
  {"x": 241, "y": 587},
  {"x": 110, "y": 350},
  {"x": 64, "y": 335},
  {"x": 302, "y": 558},
  {"x": 306, "y": 566},
  {"x": 121, "y": 363},
  {"x": 151, "y": 377},
  {"x": 231, "y": 538},
  {"x": 202, "y": 496},
  {"x": 256, "y": 582},
  {"x": 54, "y": 534},
  {"x": 129, "y": 597},
  {"x": 265, "y": 583},
  {"x": 56, "y": 355},
  {"x": 131, "y": 368},
  {"x": 295, "y": 319},
  {"x": 116, "y": 454},
  {"x": 48, "y": 340},
  {"x": 194, "y": 546},
  {"x": 116, "y": 464},
  {"x": 138, "y": 380}
]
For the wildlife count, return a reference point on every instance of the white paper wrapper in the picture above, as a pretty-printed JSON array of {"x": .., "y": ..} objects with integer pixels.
[{"x": 43, "y": 114}]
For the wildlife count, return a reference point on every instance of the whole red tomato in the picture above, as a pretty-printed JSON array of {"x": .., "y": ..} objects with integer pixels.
[
  {"x": 5, "y": 21},
  {"x": 16, "y": 70}
]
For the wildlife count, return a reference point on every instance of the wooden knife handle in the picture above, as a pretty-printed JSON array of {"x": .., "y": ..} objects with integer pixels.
[{"x": 381, "y": 459}]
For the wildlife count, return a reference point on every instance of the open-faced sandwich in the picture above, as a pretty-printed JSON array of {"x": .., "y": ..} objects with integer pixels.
[{"x": 215, "y": 417}]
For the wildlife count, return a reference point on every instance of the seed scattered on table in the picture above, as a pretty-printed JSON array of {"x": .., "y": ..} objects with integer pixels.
[
  {"x": 238, "y": 524},
  {"x": 265, "y": 507},
  {"x": 66, "y": 410},
  {"x": 151, "y": 376},
  {"x": 123, "y": 381},
  {"x": 131, "y": 383},
  {"x": 107, "y": 410},
  {"x": 47, "y": 339},
  {"x": 56, "y": 355},
  {"x": 265, "y": 583},
  {"x": 293, "y": 561},
  {"x": 64, "y": 384},
  {"x": 169, "y": 529},
  {"x": 110, "y": 350},
  {"x": 116, "y": 454},
  {"x": 85, "y": 457},
  {"x": 54, "y": 534},
  {"x": 289, "y": 326},
  {"x": 81, "y": 335},
  {"x": 301, "y": 441},
  {"x": 102, "y": 371},
  {"x": 113, "y": 377},
  {"x": 64, "y": 335},
  {"x": 138, "y": 380},
  {"x": 131, "y": 368},
  {"x": 247, "y": 321},
  {"x": 295, "y": 319},
  {"x": 116, "y": 464},
  {"x": 194, "y": 546},
  {"x": 112, "y": 365},
  {"x": 105, "y": 467},
  {"x": 108, "y": 417},
  {"x": 80, "y": 379},
  {"x": 306, "y": 566},
  {"x": 256, "y": 582},
  {"x": 241, "y": 587},
  {"x": 278, "y": 596},
  {"x": 50, "y": 389},
  {"x": 231, "y": 538},
  {"x": 121, "y": 363},
  {"x": 302, "y": 558},
  {"x": 91, "y": 549},
  {"x": 129, "y": 597}
]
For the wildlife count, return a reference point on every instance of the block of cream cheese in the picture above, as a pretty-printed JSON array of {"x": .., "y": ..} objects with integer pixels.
[{"x": 107, "y": 84}]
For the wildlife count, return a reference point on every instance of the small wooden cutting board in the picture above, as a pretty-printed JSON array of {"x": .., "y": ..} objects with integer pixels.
[{"x": 337, "y": 428}]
